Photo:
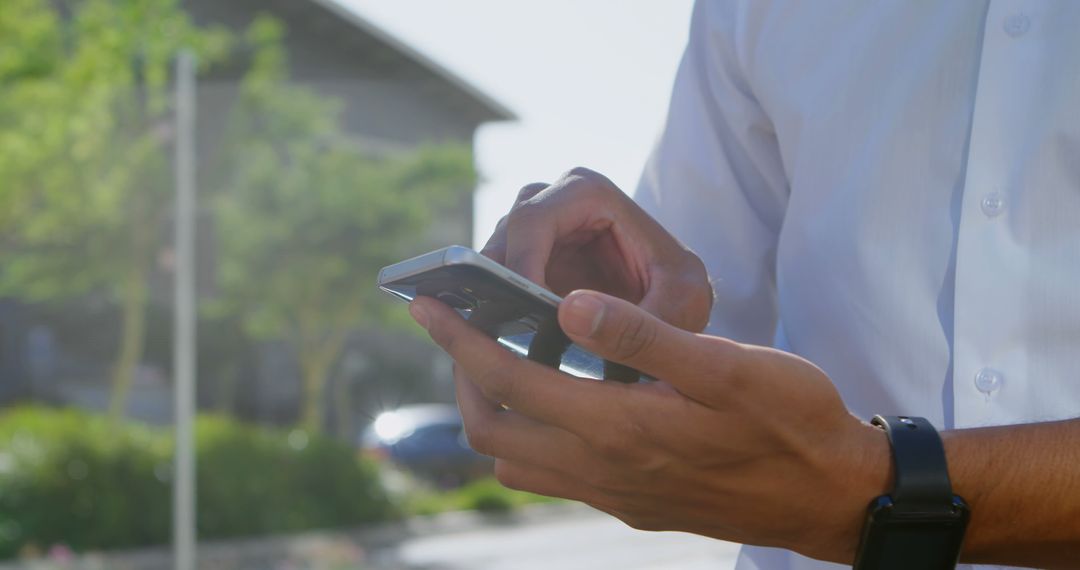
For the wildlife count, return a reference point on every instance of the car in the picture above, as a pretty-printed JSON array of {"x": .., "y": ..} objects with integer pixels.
[{"x": 427, "y": 440}]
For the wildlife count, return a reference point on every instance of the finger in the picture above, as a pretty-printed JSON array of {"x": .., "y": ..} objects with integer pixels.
[
  {"x": 680, "y": 300},
  {"x": 505, "y": 434},
  {"x": 529, "y": 388},
  {"x": 495, "y": 248},
  {"x": 623, "y": 332},
  {"x": 529, "y": 190},
  {"x": 530, "y": 237},
  {"x": 469, "y": 396},
  {"x": 579, "y": 199}
]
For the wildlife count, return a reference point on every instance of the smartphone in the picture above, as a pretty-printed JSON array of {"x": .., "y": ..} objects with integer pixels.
[{"x": 521, "y": 315}]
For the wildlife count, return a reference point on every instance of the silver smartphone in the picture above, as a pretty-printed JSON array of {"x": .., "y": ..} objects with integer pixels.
[{"x": 519, "y": 314}]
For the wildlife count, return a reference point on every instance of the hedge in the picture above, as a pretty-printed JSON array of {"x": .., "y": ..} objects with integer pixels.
[
  {"x": 70, "y": 477},
  {"x": 484, "y": 495}
]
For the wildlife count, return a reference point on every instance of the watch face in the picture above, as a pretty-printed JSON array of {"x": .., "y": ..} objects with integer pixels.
[
  {"x": 896, "y": 541},
  {"x": 916, "y": 547}
]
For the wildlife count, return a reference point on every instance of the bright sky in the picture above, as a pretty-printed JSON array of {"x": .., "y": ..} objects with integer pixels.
[{"x": 588, "y": 79}]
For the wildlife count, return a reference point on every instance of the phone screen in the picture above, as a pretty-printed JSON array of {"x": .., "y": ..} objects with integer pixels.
[{"x": 504, "y": 312}]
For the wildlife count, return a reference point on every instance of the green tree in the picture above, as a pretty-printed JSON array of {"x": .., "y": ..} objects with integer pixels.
[
  {"x": 85, "y": 185},
  {"x": 306, "y": 218}
]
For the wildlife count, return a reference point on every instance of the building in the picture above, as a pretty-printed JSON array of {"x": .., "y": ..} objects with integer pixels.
[{"x": 394, "y": 99}]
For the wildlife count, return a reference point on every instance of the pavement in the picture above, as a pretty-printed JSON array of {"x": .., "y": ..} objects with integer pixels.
[
  {"x": 555, "y": 536},
  {"x": 572, "y": 539}
]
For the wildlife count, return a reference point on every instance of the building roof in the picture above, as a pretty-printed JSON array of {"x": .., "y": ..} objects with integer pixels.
[{"x": 351, "y": 16}]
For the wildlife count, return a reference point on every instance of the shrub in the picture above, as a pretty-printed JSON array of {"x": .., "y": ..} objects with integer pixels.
[
  {"x": 485, "y": 495},
  {"x": 65, "y": 477},
  {"x": 255, "y": 481},
  {"x": 71, "y": 477},
  {"x": 490, "y": 499}
]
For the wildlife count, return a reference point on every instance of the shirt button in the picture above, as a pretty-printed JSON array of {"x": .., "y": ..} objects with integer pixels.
[
  {"x": 988, "y": 380},
  {"x": 1017, "y": 25},
  {"x": 992, "y": 204}
]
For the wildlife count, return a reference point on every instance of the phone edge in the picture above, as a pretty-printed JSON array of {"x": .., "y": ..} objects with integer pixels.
[
  {"x": 414, "y": 265},
  {"x": 461, "y": 255}
]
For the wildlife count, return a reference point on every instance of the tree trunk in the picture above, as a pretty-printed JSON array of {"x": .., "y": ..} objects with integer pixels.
[
  {"x": 225, "y": 389},
  {"x": 132, "y": 338},
  {"x": 343, "y": 408},
  {"x": 314, "y": 370},
  {"x": 315, "y": 364}
]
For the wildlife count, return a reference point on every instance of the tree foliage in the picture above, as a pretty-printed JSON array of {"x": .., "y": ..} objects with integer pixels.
[
  {"x": 84, "y": 135},
  {"x": 84, "y": 139},
  {"x": 307, "y": 217}
]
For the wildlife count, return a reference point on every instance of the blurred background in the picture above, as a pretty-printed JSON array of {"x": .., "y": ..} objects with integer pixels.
[{"x": 331, "y": 138}]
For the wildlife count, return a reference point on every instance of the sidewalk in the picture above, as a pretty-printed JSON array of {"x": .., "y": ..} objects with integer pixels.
[
  {"x": 567, "y": 536},
  {"x": 588, "y": 540}
]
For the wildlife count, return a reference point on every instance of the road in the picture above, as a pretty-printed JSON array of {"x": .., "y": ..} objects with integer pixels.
[{"x": 582, "y": 540}]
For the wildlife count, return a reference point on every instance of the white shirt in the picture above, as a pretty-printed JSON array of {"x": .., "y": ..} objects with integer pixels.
[{"x": 890, "y": 189}]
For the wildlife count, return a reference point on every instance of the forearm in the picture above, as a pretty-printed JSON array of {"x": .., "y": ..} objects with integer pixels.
[{"x": 1023, "y": 485}]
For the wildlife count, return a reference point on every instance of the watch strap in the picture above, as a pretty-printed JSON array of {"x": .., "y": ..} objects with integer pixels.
[{"x": 922, "y": 475}]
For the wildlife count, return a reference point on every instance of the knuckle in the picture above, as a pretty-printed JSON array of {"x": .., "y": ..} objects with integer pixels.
[
  {"x": 480, "y": 437},
  {"x": 695, "y": 298},
  {"x": 604, "y": 481},
  {"x": 523, "y": 212},
  {"x": 610, "y": 443},
  {"x": 498, "y": 385},
  {"x": 692, "y": 272},
  {"x": 589, "y": 182},
  {"x": 582, "y": 172},
  {"x": 634, "y": 337},
  {"x": 529, "y": 190},
  {"x": 508, "y": 475}
]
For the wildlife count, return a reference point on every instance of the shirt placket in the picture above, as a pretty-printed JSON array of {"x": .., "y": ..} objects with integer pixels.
[{"x": 989, "y": 354}]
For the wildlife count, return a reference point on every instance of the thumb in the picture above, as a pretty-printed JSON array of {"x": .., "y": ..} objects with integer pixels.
[{"x": 623, "y": 332}]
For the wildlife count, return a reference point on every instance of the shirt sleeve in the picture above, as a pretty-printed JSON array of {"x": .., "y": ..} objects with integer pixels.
[{"x": 716, "y": 180}]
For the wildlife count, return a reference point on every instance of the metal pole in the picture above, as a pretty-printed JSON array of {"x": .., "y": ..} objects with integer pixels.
[{"x": 184, "y": 318}]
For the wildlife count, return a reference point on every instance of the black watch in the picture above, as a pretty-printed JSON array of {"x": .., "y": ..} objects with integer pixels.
[{"x": 921, "y": 523}]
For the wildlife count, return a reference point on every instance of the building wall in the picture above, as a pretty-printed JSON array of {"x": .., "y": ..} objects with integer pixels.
[
  {"x": 391, "y": 101},
  {"x": 390, "y": 96},
  {"x": 391, "y": 104}
]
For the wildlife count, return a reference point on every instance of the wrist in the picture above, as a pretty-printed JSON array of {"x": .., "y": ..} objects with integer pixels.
[
  {"x": 921, "y": 522},
  {"x": 961, "y": 472},
  {"x": 865, "y": 473}
]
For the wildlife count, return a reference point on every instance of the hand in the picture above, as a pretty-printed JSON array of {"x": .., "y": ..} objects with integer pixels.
[
  {"x": 582, "y": 232},
  {"x": 737, "y": 442}
]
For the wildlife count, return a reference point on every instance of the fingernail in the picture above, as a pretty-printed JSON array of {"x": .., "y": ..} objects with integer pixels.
[
  {"x": 583, "y": 314},
  {"x": 419, "y": 315}
]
